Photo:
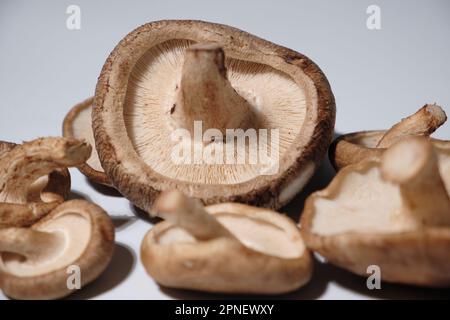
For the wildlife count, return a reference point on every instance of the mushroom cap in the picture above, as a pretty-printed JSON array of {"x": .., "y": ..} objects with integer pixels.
[
  {"x": 268, "y": 257},
  {"x": 357, "y": 222},
  {"x": 47, "y": 191},
  {"x": 133, "y": 104},
  {"x": 86, "y": 234},
  {"x": 78, "y": 124},
  {"x": 355, "y": 147}
]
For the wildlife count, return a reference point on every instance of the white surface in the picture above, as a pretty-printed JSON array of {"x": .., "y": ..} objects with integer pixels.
[{"x": 377, "y": 77}]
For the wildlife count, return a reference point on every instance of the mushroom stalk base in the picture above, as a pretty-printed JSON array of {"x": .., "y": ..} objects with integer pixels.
[
  {"x": 412, "y": 164},
  {"x": 422, "y": 123},
  {"x": 206, "y": 95},
  {"x": 189, "y": 214}
]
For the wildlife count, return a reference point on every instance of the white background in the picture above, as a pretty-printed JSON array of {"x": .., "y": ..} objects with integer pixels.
[{"x": 377, "y": 77}]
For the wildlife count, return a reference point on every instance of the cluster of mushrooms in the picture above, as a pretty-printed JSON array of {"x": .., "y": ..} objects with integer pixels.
[
  {"x": 388, "y": 206},
  {"x": 43, "y": 236}
]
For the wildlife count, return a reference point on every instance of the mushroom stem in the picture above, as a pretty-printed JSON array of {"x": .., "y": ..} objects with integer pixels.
[
  {"x": 206, "y": 95},
  {"x": 15, "y": 215},
  {"x": 422, "y": 123},
  {"x": 28, "y": 242},
  {"x": 27, "y": 162},
  {"x": 189, "y": 214},
  {"x": 412, "y": 164}
]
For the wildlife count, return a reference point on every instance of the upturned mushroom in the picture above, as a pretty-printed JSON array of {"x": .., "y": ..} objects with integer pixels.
[
  {"x": 353, "y": 147},
  {"x": 228, "y": 248},
  {"x": 75, "y": 239},
  {"x": 213, "y": 111},
  {"x": 393, "y": 213},
  {"x": 78, "y": 124},
  {"x": 34, "y": 178}
]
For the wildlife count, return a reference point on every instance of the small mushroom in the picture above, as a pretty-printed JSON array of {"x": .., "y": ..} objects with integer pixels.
[
  {"x": 393, "y": 213},
  {"x": 78, "y": 124},
  {"x": 167, "y": 76},
  {"x": 228, "y": 248},
  {"x": 36, "y": 263},
  {"x": 34, "y": 178},
  {"x": 354, "y": 147}
]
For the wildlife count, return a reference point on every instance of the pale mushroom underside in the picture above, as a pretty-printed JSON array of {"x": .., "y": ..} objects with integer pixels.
[
  {"x": 257, "y": 234},
  {"x": 71, "y": 229},
  {"x": 365, "y": 204},
  {"x": 279, "y": 102}
]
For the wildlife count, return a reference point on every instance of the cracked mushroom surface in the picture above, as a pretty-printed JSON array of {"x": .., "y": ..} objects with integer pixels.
[
  {"x": 34, "y": 178},
  {"x": 228, "y": 248},
  {"x": 354, "y": 147},
  {"x": 393, "y": 213},
  {"x": 173, "y": 76},
  {"x": 35, "y": 262},
  {"x": 78, "y": 124}
]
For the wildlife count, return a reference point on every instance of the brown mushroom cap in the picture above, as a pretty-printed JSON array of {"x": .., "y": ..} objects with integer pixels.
[
  {"x": 230, "y": 248},
  {"x": 78, "y": 124},
  {"x": 52, "y": 187},
  {"x": 357, "y": 146},
  {"x": 34, "y": 261},
  {"x": 394, "y": 214},
  {"x": 34, "y": 178},
  {"x": 163, "y": 74}
]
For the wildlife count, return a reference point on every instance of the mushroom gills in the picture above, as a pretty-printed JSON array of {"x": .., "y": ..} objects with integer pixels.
[
  {"x": 354, "y": 147},
  {"x": 254, "y": 233},
  {"x": 72, "y": 233},
  {"x": 273, "y": 98}
]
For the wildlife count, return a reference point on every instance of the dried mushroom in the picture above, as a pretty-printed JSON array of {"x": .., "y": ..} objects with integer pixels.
[
  {"x": 35, "y": 262},
  {"x": 393, "y": 213},
  {"x": 354, "y": 147},
  {"x": 78, "y": 124},
  {"x": 229, "y": 248},
  {"x": 5, "y": 147},
  {"x": 168, "y": 76},
  {"x": 34, "y": 178}
]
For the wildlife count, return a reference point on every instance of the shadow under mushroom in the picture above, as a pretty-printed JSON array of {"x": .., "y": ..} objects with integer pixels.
[{"x": 121, "y": 265}]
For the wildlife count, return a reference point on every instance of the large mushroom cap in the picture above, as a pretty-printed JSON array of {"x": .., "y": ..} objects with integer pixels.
[
  {"x": 34, "y": 178},
  {"x": 166, "y": 75},
  {"x": 229, "y": 248},
  {"x": 78, "y": 124},
  {"x": 35, "y": 263},
  {"x": 394, "y": 214}
]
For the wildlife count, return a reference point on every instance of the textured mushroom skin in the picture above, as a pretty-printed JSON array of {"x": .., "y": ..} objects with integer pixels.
[
  {"x": 224, "y": 264},
  {"x": 22, "y": 165},
  {"x": 418, "y": 257},
  {"x": 58, "y": 185},
  {"x": 133, "y": 183},
  {"x": 92, "y": 263}
]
